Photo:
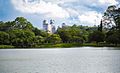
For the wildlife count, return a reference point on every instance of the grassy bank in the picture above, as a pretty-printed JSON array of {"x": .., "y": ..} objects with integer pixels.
[
  {"x": 6, "y": 46},
  {"x": 63, "y": 45},
  {"x": 66, "y": 45}
]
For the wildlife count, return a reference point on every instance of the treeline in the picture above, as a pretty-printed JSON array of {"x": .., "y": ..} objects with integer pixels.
[
  {"x": 20, "y": 33},
  {"x": 75, "y": 34},
  {"x": 109, "y": 29}
]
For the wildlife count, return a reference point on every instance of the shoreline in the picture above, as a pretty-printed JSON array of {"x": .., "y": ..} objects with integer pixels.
[{"x": 61, "y": 45}]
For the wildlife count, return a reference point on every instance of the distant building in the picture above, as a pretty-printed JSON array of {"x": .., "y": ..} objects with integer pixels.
[
  {"x": 45, "y": 25},
  {"x": 50, "y": 28},
  {"x": 63, "y": 25},
  {"x": 53, "y": 29}
]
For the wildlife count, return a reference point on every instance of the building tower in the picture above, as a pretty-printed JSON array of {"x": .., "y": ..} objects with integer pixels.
[
  {"x": 45, "y": 25},
  {"x": 50, "y": 28},
  {"x": 63, "y": 25},
  {"x": 52, "y": 25},
  {"x": 52, "y": 22}
]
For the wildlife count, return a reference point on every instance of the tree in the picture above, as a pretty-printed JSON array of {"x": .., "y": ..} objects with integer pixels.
[
  {"x": 96, "y": 36},
  {"x": 40, "y": 32},
  {"x": 76, "y": 39},
  {"x": 21, "y": 37},
  {"x": 1, "y": 25},
  {"x": 113, "y": 37},
  {"x": 72, "y": 34},
  {"x": 112, "y": 17},
  {"x": 4, "y": 26},
  {"x": 54, "y": 38},
  {"x": 100, "y": 28},
  {"x": 18, "y": 23},
  {"x": 40, "y": 39},
  {"x": 64, "y": 35},
  {"x": 22, "y": 23},
  {"x": 18, "y": 42},
  {"x": 4, "y": 38},
  {"x": 21, "y": 33}
]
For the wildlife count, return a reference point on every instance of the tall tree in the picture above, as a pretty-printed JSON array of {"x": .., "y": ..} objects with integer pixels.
[
  {"x": 22, "y": 23},
  {"x": 112, "y": 17}
]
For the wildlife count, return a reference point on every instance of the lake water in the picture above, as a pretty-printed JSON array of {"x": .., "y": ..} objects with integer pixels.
[{"x": 62, "y": 60}]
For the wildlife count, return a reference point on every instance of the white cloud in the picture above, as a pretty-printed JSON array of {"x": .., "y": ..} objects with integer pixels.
[
  {"x": 61, "y": 1},
  {"x": 109, "y": 2},
  {"x": 72, "y": 12},
  {"x": 40, "y": 7},
  {"x": 90, "y": 18},
  {"x": 96, "y": 3},
  {"x": 67, "y": 10}
]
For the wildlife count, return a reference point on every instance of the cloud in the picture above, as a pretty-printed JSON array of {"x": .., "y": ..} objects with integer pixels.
[
  {"x": 72, "y": 12},
  {"x": 78, "y": 11},
  {"x": 61, "y": 1},
  {"x": 40, "y": 7},
  {"x": 90, "y": 17},
  {"x": 109, "y": 2},
  {"x": 98, "y": 2}
]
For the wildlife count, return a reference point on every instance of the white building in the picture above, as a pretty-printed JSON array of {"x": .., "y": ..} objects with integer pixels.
[{"x": 50, "y": 28}]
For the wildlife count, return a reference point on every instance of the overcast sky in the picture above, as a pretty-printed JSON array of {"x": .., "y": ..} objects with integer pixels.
[{"x": 80, "y": 12}]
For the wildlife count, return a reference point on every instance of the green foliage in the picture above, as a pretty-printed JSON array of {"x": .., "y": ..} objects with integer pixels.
[
  {"x": 113, "y": 37},
  {"x": 113, "y": 14},
  {"x": 6, "y": 46},
  {"x": 59, "y": 45},
  {"x": 22, "y": 23},
  {"x": 18, "y": 23},
  {"x": 21, "y": 38},
  {"x": 54, "y": 38},
  {"x": 96, "y": 36},
  {"x": 76, "y": 39},
  {"x": 72, "y": 34},
  {"x": 90, "y": 44},
  {"x": 64, "y": 35},
  {"x": 20, "y": 33},
  {"x": 67, "y": 45},
  {"x": 4, "y": 38},
  {"x": 40, "y": 32}
]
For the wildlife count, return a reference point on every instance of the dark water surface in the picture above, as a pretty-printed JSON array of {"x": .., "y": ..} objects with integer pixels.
[{"x": 69, "y": 60}]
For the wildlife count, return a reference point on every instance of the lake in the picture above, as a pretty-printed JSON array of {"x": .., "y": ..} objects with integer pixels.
[{"x": 61, "y": 60}]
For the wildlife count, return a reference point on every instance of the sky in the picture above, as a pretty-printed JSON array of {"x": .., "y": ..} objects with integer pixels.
[{"x": 80, "y": 12}]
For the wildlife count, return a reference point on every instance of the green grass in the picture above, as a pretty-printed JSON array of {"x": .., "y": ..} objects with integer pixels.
[
  {"x": 61, "y": 45},
  {"x": 90, "y": 44},
  {"x": 6, "y": 46},
  {"x": 67, "y": 45}
]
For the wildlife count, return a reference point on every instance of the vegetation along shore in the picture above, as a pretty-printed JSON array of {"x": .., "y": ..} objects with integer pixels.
[{"x": 20, "y": 33}]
